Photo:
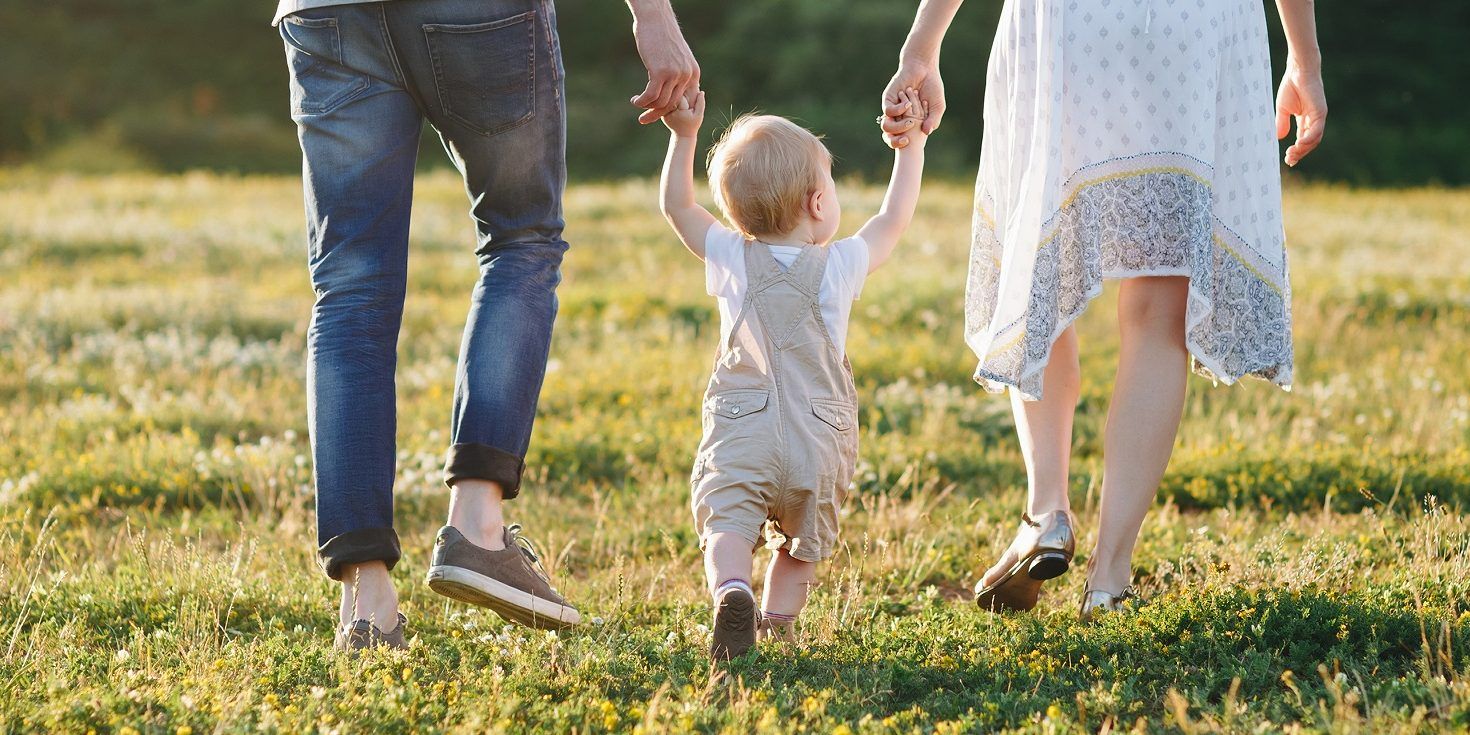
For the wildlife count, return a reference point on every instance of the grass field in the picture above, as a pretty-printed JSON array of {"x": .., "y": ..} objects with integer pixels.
[{"x": 1307, "y": 566}]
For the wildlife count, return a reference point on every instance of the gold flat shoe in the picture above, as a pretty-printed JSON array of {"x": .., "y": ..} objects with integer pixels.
[
  {"x": 1098, "y": 602},
  {"x": 1048, "y": 544}
]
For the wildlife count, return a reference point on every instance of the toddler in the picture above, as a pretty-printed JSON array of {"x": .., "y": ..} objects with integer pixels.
[{"x": 780, "y": 413}]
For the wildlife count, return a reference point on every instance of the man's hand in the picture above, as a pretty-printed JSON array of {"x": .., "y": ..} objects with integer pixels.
[
  {"x": 673, "y": 74},
  {"x": 897, "y": 120},
  {"x": 685, "y": 120}
]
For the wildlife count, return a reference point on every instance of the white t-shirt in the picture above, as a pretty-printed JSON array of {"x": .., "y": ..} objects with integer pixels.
[{"x": 725, "y": 279}]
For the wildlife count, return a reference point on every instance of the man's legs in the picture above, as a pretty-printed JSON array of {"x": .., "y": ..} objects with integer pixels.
[
  {"x": 359, "y": 138},
  {"x": 489, "y": 75}
]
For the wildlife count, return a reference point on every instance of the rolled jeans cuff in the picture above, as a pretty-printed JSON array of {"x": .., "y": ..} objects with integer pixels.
[
  {"x": 356, "y": 547},
  {"x": 484, "y": 462}
]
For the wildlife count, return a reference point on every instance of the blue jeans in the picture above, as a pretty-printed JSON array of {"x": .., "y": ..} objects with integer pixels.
[{"x": 487, "y": 74}]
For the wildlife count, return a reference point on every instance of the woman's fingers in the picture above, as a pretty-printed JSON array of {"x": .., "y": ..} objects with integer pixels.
[
  {"x": 1310, "y": 129},
  {"x": 1308, "y": 107},
  {"x": 1283, "y": 122},
  {"x": 893, "y": 102},
  {"x": 899, "y": 126},
  {"x": 896, "y": 126},
  {"x": 932, "y": 92},
  {"x": 1286, "y": 103},
  {"x": 936, "y": 112}
]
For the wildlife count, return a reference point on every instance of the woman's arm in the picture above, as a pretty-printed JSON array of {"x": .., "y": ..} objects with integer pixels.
[
  {"x": 1301, "y": 95},
  {"x": 918, "y": 68}
]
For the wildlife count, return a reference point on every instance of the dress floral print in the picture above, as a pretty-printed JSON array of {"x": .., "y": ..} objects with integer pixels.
[{"x": 1128, "y": 138}]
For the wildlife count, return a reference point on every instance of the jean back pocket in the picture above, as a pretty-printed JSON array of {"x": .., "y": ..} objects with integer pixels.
[
  {"x": 319, "y": 80},
  {"x": 485, "y": 73}
]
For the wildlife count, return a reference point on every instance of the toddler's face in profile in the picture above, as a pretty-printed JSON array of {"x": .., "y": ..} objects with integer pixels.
[{"x": 826, "y": 229}]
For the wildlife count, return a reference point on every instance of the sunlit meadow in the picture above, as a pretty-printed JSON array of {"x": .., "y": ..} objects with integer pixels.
[{"x": 1306, "y": 567}]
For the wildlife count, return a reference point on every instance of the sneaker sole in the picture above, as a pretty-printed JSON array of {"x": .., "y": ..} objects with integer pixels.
[
  {"x": 734, "y": 629},
  {"x": 515, "y": 605}
]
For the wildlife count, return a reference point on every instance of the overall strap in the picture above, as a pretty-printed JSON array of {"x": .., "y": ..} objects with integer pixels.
[
  {"x": 788, "y": 296},
  {"x": 760, "y": 270},
  {"x": 761, "y": 267},
  {"x": 809, "y": 269}
]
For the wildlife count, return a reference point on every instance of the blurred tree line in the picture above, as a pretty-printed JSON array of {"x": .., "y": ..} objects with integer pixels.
[{"x": 108, "y": 84}]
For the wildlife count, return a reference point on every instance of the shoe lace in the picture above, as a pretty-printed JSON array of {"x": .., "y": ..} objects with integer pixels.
[{"x": 529, "y": 550}]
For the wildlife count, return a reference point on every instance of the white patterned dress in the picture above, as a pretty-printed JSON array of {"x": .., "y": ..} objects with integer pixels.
[{"x": 1129, "y": 138}]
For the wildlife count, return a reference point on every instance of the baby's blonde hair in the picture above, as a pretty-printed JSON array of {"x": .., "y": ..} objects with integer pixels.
[{"x": 762, "y": 170}]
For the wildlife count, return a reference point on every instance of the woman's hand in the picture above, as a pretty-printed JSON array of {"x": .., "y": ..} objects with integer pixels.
[
  {"x": 897, "y": 120},
  {"x": 1302, "y": 97}
]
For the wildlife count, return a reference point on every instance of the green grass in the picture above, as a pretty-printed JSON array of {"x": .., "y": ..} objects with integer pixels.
[{"x": 1307, "y": 567}]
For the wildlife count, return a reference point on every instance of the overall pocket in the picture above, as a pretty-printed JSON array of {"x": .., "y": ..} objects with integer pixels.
[
  {"x": 737, "y": 404},
  {"x": 836, "y": 414},
  {"x": 320, "y": 82},
  {"x": 485, "y": 73}
]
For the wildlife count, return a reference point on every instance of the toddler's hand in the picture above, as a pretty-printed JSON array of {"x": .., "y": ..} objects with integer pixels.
[
  {"x": 915, "y": 112},
  {"x": 685, "y": 121}
]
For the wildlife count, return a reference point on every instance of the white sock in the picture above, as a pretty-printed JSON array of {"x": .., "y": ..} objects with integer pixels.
[{"x": 733, "y": 584}]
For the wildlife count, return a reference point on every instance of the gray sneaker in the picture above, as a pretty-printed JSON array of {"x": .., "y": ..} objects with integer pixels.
[
  {"x": 360, "y": 634},
  {"x": 510, "y": 581}
]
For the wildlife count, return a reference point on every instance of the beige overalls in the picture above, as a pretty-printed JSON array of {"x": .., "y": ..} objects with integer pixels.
[{"x": 780, "y": 415}]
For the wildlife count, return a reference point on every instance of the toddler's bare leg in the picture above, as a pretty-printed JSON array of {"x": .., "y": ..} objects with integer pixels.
[
  {"x": 727, "y": 557},
  {"x": 788, "y": 581}
]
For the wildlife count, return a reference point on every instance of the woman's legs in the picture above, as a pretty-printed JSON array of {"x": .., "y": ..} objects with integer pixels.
[
  {"x": 1143, "y": 418},
  {"x": 1045, "y": 430}
]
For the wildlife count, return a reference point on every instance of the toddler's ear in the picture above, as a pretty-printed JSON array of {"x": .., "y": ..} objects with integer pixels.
[{"x": 816, "y": 204}]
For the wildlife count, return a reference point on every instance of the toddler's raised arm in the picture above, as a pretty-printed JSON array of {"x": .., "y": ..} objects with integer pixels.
[
  {"x": 676, "y": 187},
  {"x": 885, "y": 228}
]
